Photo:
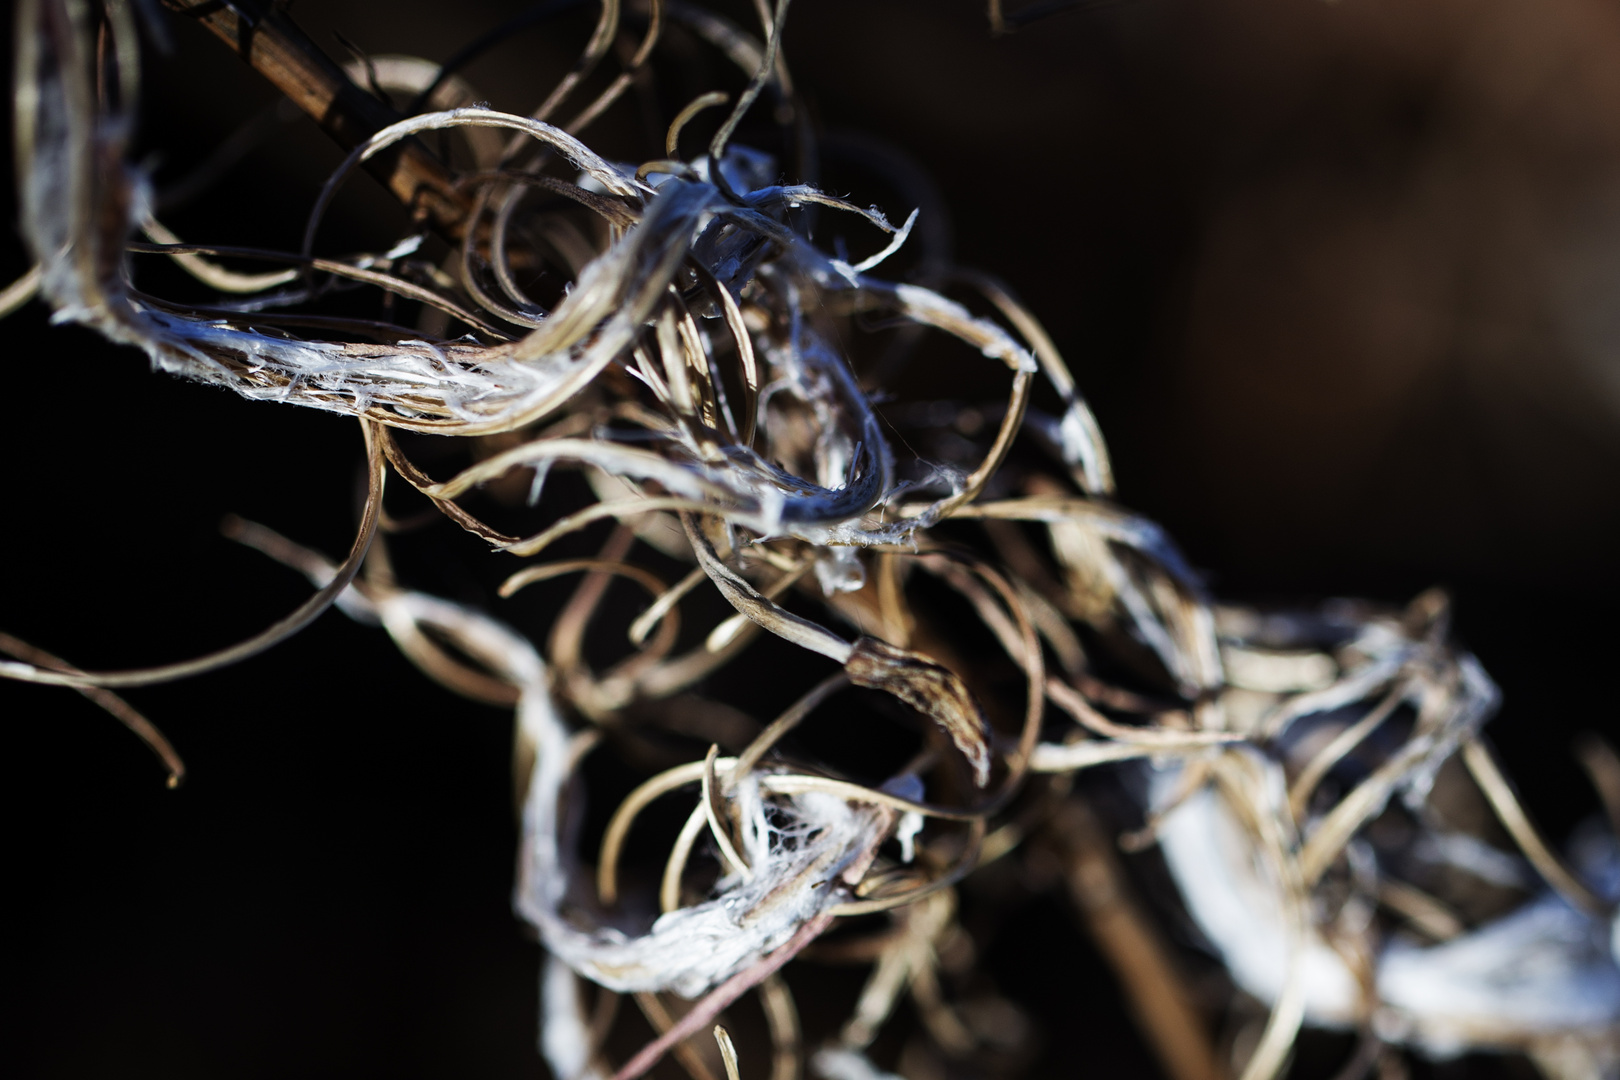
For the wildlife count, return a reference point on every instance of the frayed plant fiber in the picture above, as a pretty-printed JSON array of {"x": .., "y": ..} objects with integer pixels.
[{"x": 696, "y": 371}]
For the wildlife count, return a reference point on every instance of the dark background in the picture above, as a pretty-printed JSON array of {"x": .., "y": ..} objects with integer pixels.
[{"x": 1342, "y": 282}]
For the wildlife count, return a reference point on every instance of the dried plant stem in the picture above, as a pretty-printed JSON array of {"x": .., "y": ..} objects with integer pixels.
[
  {"x": 1299, "y": 793},
  {"x": 117, "y": 707},
  {"x": 19, "y": 292},
  {"x": 782, "y": 1017},
  {"x": 1482, "y": 765},
  {"x": 1159, "y": 999},
  {"x": 305, "y": 614},
  {"x": 1423, "y": 910},
  {"x": 687, "y": 1054},
  {"x": 728, "y": 1052},
  {"x": 1602, "y": 767},
  {"x": 276, "y": 48},
  {"x": 669, "y": 886},
  {"x": 1238, "y": 781},
  {"x": 802, "y": 506},
  {"x": 705, "y": 1011}
]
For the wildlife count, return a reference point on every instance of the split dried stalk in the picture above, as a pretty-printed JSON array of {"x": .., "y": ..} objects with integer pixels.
[{"x": 697, "y": 370}]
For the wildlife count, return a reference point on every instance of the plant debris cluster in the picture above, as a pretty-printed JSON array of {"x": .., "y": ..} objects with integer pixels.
[{"x": 1300, "y": 773}]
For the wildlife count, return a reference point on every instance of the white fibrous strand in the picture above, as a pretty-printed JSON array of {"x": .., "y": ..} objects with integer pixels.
[{"x": 699, "y": 370}]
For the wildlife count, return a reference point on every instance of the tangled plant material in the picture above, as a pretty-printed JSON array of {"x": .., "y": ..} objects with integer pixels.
[{"x": 693, "y": 371}]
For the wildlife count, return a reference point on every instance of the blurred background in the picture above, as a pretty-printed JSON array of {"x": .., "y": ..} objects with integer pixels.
[{"x": 1340, "y": 280}]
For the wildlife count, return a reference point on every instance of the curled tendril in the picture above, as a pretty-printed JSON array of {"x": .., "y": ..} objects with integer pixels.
[{"x": 696, "y": 368}]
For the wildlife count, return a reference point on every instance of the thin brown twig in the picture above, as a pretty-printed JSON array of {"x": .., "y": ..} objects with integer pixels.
[
  {"x": 704, "y": 1012},
  {"x": 117, "y": 707},
  {"x": 1159, "y": 999}
]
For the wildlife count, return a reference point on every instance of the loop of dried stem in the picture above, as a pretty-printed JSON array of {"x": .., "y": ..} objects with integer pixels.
[{"x": 772, "y": 472}]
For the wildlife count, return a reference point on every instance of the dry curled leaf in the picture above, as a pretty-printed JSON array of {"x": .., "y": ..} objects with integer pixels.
[{"x": 933, "y": 690}]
